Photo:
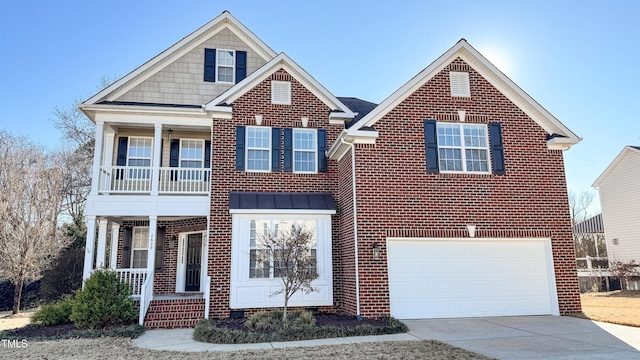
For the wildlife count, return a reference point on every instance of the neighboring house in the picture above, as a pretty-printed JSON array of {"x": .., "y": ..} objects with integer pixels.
[
  {"x": 619, "y": 191},
  {"x": 591, "y": 256},
  {"x": 448, "y": 199}
]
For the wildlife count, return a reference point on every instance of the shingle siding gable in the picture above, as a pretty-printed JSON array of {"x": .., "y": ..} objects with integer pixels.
[{"x": 182, "y": 82}]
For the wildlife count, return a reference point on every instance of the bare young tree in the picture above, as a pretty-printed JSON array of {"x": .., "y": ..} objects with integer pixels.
[
  {"x": 291, "y": 252},
  {"x": 30, "y": 203},
  {"x": 77, "y": 156},
  {"x": 579, "y": 204}
]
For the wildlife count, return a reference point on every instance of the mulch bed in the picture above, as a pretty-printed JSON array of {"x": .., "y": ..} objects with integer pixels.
[
  {"x": 322, "y": 319},
  {"x": 44, "y": 331}
]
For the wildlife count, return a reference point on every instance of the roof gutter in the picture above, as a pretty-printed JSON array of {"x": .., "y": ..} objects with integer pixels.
[{"x": 355, "y": 224}]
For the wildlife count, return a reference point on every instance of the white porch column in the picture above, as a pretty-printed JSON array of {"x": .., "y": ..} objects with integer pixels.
[
  {"x": 101, "y": 250},
  {"x": 109, "y": 143},
  {"x": 97, "y": 158},
  {"x": 88, "y": 255},
  {"x": 151, "y": 254},
  {"x": 115, "y": 230},
  {"x": 155, "y": 170}
]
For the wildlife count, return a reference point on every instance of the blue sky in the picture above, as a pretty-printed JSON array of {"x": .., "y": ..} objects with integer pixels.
[{"x": 576, "y": 58}]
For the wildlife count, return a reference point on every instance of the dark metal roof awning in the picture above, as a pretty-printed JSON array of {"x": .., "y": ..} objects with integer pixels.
[{"x": 281, "y": 201}]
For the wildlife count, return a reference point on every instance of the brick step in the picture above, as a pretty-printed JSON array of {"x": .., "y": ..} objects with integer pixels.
[{"x": 174, "y": 313}]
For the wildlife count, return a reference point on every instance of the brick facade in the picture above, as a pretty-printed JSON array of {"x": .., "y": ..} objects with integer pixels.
[
  {"x": 226, "y": 179},
  {"x": 397, "y": 197}
]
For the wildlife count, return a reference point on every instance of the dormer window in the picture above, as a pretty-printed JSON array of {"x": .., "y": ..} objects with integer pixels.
[
  {"x": 459, "y": 84},
  {"x": 281, "y": 92}
]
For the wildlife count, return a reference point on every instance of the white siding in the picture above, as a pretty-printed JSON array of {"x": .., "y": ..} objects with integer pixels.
[
  {"x": 620, "y": 202},
  {"x": 182, "y": 82}
]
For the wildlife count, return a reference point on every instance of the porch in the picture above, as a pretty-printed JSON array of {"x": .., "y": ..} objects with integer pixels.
[{"x": 163, "y": 260}]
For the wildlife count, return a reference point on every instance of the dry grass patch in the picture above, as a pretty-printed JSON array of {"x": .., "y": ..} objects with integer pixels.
[
  {"x": 114, "y": 348},
  {"x": 615, "y": 307},
  {"x": 8, "y": 321}
]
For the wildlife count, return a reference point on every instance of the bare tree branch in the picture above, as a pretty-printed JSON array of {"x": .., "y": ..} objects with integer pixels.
[
  {"x": 579, "y": 206},
  {"x": 30, "y": 204},
  {"x": 290, "y": 251}
]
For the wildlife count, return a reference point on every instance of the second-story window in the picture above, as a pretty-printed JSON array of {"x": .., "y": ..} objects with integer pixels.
[
  {"x": 191, "y": 153},
  {"x": 226, "y": 62},
  {"x": 305, "y": 150},
  {"x": 463, "y": 148},
  {"x": 258, "y": 148},
  {"x": 139, "y": 156}
]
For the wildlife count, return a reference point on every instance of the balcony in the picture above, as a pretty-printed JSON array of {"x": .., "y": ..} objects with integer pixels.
[{"x": 142, "y": 180}]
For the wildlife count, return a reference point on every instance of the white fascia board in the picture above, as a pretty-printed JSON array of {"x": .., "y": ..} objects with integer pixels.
[
  {"x": 224, "y": 20},
  {"x": 614, "y": 163},
  {"x": 285, "y": 62},
  {"x": 143, "y": 109},
  {"x": 339, "y": 148},
  {"x": 131, "y": 119},
  {"x": 560, "y": 143},
  {"x": 278, "y": 212},
  {"x": 488, "y": 71}
]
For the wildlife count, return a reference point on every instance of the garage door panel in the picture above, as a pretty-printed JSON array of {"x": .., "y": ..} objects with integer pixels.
[{"x": 467, "y": 278}]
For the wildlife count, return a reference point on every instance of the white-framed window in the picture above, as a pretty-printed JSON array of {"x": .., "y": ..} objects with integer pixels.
[
  {"x": 191, "y": 153},
  {"x": 459, "y": 82},
  {"x": 281, "y": 92},
  {"x": 305, "y": 150},
  {"x": 139, "y": 247},
  {"x": 258, "y": 148},
  {"x": 252, "y": 284},
  {"x": 191, "y": 157},
  {"x": 463, "y": 148},
  {"x": 225, "y": 64},
  {"x": 139, "y": 153},
  {"x": 260, "y": 264}
]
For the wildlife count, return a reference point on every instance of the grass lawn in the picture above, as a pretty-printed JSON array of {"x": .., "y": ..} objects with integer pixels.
[{"x": 615, "y": 307}]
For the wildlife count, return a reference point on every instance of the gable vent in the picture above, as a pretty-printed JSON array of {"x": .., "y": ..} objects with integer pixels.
[
  {"x": 281, "y": 92},
  {"x": 459, "y": 84}
]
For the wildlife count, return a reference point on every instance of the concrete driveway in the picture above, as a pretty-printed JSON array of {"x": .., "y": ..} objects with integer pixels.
[{"x": 533, "y": 337}]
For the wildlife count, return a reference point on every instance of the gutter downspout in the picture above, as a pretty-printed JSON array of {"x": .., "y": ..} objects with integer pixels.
[{"x": 355, "y": 224}]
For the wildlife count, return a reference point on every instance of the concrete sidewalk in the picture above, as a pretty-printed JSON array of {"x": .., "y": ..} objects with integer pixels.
[{"x": 518, "y": 337}]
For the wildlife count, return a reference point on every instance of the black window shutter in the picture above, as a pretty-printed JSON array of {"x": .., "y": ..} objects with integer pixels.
[
  {"x": 126, "y": 247},
  {"x": 322, "y": 149},
  {"x": 121, "y": 159},
  {"x": 210, "y": 65},
  {"x": 288, "y": 150},
  {"x": 241, "y": 65},
  {"x": 497, "y": 149},
  {"x": 174, "y": 157},
  {"x": 275, "y": 149},
  {"x": 174, "y": 153},
  {"x": 240, "y": 145},
  {"x": 431, "y": 146},
  {"x": 160, "y": 235},
  {"x": 207, "y": 154}
]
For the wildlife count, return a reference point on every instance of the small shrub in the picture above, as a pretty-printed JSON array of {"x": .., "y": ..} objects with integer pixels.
[
  {"x": 265, "y": 320},
  {"x": 58, "y": 313},
  {"x": 207, "y": 331},
  {"x": 301, "y": 319},
  {"x": 103, "y": 302}
]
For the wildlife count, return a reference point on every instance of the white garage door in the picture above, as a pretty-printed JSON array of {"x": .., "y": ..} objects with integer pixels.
[{"x": 470, "y": 278}]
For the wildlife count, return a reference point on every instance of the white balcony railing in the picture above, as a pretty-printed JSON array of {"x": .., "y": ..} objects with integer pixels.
[
  {"x": 136, "y": 180},
  {"x": 135, "y": 278}
]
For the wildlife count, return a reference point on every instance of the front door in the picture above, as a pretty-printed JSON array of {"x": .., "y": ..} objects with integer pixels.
[{"x": 194, "y": 254}]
